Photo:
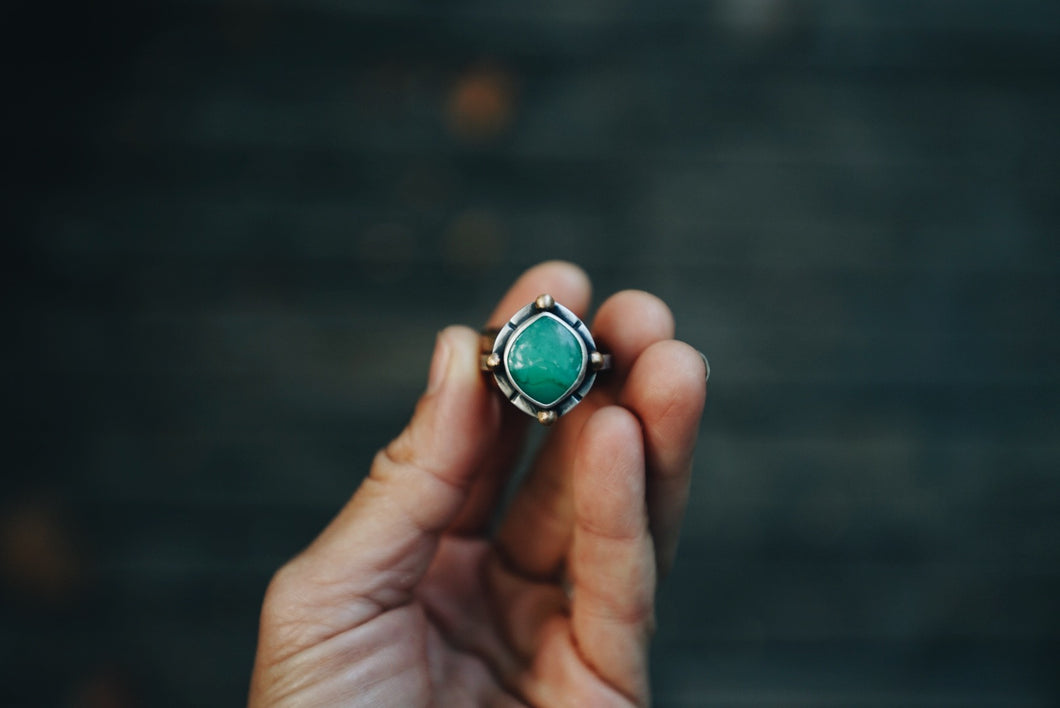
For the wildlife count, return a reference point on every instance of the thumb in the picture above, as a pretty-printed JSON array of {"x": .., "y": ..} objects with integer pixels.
[{"x": 381, "y": 543}]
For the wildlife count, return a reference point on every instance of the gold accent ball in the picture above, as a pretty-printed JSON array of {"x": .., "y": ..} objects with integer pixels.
[
  {"x": 546, "y": 417},
  {"x": 544, "y": 302}
]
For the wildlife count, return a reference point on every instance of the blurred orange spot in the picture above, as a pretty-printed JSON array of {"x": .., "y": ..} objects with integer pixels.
[
  {"x": 481, "y": 104},
  {"x": 37, "y": 555}
]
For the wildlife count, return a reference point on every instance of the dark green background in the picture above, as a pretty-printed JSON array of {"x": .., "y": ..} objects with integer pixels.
[{"x": 233, "y": 230}]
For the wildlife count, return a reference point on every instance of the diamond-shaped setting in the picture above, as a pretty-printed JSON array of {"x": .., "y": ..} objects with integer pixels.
[{"x": 545, "y": 359}]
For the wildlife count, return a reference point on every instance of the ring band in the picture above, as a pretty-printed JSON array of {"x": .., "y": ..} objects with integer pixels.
[{"x": 543, "y": 359}]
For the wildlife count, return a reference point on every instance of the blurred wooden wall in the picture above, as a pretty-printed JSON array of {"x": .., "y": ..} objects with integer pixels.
[{"x": 235, "y": 228}]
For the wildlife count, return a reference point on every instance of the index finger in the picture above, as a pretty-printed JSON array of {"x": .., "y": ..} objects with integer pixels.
[
  {"x": 569, "y": 285},
  {"x": 564, "y": 281}
]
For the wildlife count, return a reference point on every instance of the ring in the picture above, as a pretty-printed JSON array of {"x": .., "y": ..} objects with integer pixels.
[{"x": 544, "y": 360}]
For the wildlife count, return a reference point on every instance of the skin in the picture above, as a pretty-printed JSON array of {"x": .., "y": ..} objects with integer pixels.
[{"x": 405, "y": 599}]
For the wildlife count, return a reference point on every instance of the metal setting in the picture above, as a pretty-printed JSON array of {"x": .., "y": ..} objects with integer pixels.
[
  {"x": 544, "y": 302},
  {"x": 546, "y": 417},
  {"x": 544, "y": 405},
  {"x": 497, "y": 345}
]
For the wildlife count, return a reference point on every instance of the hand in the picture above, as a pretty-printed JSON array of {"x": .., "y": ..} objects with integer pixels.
[{"x": 405, "y": 600}]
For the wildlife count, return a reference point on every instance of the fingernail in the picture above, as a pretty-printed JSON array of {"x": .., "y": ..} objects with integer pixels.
[
  {"x": 705, "y": 362},
  {"x": 439, "y": 364}
]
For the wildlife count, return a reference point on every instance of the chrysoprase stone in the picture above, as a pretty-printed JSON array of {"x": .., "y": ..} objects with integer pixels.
[{"x": 545, "y": 360}]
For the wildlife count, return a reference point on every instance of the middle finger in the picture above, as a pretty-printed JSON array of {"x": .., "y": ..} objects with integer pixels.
[{"x": 536, "y": 533}]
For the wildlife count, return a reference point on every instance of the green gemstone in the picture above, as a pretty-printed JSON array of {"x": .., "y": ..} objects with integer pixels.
[{"x": 546, "y": 360}]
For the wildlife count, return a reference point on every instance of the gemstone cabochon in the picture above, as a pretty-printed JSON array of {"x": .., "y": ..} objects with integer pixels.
[{"x": 546, "y": 360}]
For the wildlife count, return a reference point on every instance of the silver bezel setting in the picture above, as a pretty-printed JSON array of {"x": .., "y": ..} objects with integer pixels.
[
  {"x": 509, "y": 333},
  {"x": 515, "y": 337}
]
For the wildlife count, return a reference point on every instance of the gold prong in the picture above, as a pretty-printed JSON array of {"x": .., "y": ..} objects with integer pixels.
[
  {"x": 493, "y": 361},
  {"x": 596, "y": 360},
  {"x": 546, "y": 417},
  {"x": 544, "y": 302}
]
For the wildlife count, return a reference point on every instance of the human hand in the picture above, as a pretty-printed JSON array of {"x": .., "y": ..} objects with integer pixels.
[{"x": 406, "y": 600}]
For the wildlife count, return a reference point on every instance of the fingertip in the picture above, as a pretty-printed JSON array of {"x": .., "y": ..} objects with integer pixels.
[
  {"x": 565, "y": 274},
  {"x": 474, "y": 397},
  {"x": 630, "y": 321},
  {"x": 463, "y": 348},
  {"x": 644, "y": 307},
  {"x": 610, "y": 428},
  {"x": 564, "y": 281},
  {"x": 668, "y": 382}
]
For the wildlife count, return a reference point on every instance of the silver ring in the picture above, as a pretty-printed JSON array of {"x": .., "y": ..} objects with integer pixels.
[{"x": 543, "y": 359}]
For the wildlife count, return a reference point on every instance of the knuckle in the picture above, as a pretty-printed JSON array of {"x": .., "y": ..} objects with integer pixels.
[{"x": 282, "y": 587}]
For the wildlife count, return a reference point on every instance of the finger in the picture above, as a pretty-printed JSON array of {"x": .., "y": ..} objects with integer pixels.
[
  {"x": 565, "y": 282},
  {"x": 569, "y": 286},
  {"x": 379, "y": 546},
  {"x": 536, "y": 533},
  {"x": 628, "y": 323},
  {"x": 476, "y": 514},
  {"x": 666, "y": 390},
  {"x": 612, "y": 564}
]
